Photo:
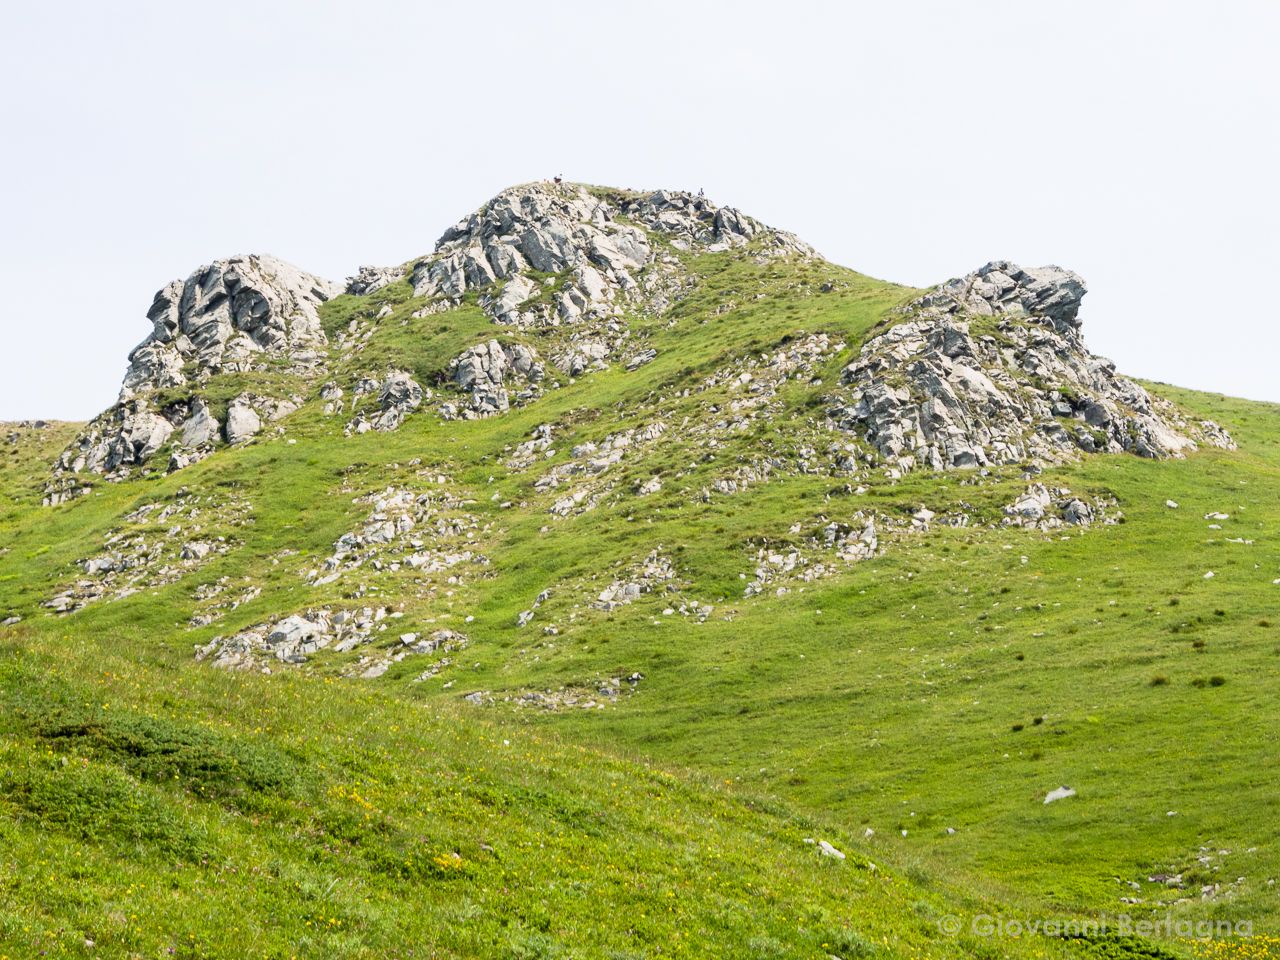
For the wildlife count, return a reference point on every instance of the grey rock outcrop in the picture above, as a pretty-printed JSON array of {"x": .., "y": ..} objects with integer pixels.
[
  {"x": 654, "y": 571},
  {"x": 370, "y": 279},
  {"x": 141, "y": 435},
  {"x": 398, "y": 396},
  {"x": 583, "y": 356},
  {"x": 233, "y": 315},
  {"x": 124, "y": 436},
  {"x": 560, "y": 256},
  {"x": 292, "y": 640},
  {"x": 1047, "y": 509},
  {"x": 694, "y": 221},
  {"x": 1004, "y": 288},
  {"x": 228, "y": 316},
  {"x": 484, "y": 370},
  {"x": 991, "y": 368},
  {"x": 332, "y": 395},
  {"x": 542, "y": 229},
  {"x": 243, "y": 422}
]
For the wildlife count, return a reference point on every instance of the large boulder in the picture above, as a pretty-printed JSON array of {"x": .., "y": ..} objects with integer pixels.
[
  {"x": 200, "y": 427},
  {"x": 243, "y": 421}
]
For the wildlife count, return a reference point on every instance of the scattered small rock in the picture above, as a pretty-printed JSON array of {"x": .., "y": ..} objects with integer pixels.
[{"x": 1058, "y": 793}]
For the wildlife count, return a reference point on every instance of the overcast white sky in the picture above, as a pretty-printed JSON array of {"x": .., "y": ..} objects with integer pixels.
[{"x": 1137, "y": 143}]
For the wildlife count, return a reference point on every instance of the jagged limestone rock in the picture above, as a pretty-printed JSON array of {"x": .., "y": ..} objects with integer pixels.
[
  {"x": 567, "y": 230},
  {"x": 596, "y": 247},
  {"x": 485, "y": 369},
  {"x": 539, "y": 228},
  {"x": 227, "y": 313},
  {"x": 988, "y": 368},
  {"x": 991, "y": 368},
  {"x": 229, "y": 316}
]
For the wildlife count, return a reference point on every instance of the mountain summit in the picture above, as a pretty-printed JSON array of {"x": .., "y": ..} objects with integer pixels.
[
  {"x": 762, "y": 361},
  {"x": 990, "y": 368},
  {"x": 537, "y": 257}
]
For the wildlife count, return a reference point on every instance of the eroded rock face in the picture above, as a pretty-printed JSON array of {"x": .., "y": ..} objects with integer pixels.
[
  {"x": 227, "y": 316},
  {"x": 538, "y": 229},
  {"x": 1004, "y": 288},
  {"x": 484, "y": 371},
  {"x": 232, "y": 315},
  {"x": 124, "y": 436},
  {"x": 546, "y": 257},
  {"x": 991, "y": 368},
  {"x": 543, "y": 229}
]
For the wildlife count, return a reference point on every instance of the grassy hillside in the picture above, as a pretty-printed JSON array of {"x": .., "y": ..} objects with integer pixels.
[
  {"x": 153, "y": 809},
  {"x": 953, "y": 683},
  {"x": 912, "y": 709}
]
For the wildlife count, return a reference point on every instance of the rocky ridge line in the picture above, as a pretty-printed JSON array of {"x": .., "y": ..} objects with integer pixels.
[
  {"x": 539, "y": 257},
  {"x": 991, "y": 368}
]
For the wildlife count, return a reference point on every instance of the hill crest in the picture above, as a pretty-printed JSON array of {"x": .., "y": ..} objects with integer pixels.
[{"x": 567, "y": 275}]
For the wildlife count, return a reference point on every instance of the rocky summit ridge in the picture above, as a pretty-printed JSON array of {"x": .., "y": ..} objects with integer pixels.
[
  {"x": 991, "y": 368},
  {"x": 986, "y": 369}
]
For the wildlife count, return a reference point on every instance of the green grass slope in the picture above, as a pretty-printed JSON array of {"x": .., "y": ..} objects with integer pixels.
[
  {"x": 912, "y": 709},
  {"x": 149, "y": 808}
]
